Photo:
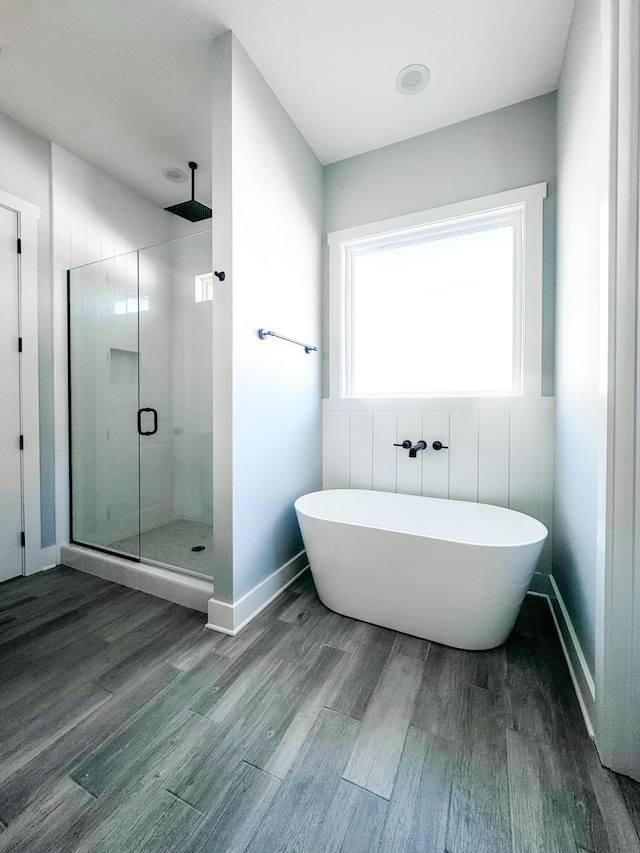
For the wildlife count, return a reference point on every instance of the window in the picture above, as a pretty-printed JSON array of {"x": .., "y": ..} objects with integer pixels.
[
  {"x": 204, "y": 287},
  {"x": 132, "y": 305},
  {"x": 441, "y": 303}
]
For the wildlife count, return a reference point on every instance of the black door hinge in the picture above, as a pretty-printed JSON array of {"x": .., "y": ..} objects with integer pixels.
[
  {"x": 19, "y": 246},
  {"x": 19, "y": 344},
  {"x": 23, "y": 539},
  {"x": 21, "y": 442}
]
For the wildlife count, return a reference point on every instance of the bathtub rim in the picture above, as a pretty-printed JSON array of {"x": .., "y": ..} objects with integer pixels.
[{"x": 430, "y": 536}]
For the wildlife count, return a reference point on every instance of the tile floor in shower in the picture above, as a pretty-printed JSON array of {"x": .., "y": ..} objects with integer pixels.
[{"x": 172, "y": 543}]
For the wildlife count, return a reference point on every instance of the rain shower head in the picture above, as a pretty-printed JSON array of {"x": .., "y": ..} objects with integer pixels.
[{"x": 192, "y": 210}]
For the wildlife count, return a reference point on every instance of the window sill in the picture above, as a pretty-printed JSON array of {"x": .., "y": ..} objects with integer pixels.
[{"x": 426, "y": 404}]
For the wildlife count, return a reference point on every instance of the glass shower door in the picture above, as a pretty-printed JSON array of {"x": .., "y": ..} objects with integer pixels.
[
  {"x": 103, "y": 341},
  {"x": 176, "y": 400},
  {"x": 141, "y": 406}
]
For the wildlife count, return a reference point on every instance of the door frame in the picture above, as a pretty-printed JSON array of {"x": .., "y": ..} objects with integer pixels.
[
  {"x": 36, "y": 558},
  {"x": 617, "y": 722}
]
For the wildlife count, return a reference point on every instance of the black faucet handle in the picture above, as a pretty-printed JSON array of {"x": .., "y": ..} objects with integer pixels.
[
  {"x": 406, "y": 444},
  {"x": 438, "y": 445}
]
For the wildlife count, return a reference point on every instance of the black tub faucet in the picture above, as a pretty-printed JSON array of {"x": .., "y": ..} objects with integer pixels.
[{"x": 413, "y": 450}]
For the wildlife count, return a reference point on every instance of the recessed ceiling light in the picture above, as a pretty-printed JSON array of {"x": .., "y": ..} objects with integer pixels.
[
  {"x": 174, "y": 174},
  {"x": 412, "y": 79}
]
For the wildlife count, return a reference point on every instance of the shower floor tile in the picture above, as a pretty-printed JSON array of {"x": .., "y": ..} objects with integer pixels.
[{"x": 172, "y": 545}]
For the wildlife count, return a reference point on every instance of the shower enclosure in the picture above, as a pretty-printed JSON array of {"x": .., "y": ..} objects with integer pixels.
[{"x": 141, "y": 405}]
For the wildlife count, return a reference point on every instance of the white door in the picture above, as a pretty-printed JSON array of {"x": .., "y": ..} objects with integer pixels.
[{"x": 11, "y": 551}]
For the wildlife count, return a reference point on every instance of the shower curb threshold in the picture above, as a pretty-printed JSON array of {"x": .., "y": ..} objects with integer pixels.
[{"x": 187, "y": 591}]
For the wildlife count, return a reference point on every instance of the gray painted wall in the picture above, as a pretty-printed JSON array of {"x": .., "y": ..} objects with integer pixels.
[
  {"x": 502, "y": 150},
  {"x": 577, "y": 323},
  {"x": 25, "y": 163},
  {"x": 277, "y": 228},
  {"x": 273, "y": 247}
]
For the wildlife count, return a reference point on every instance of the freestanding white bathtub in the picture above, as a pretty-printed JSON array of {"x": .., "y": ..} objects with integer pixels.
[{"x": 454, "y": 572}]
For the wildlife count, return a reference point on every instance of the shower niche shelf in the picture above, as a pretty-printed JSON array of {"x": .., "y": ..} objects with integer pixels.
[{"x": 123, "y": 366}]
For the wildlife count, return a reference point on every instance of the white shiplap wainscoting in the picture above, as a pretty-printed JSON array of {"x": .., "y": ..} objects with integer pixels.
[{"x": 498, "y": 453}]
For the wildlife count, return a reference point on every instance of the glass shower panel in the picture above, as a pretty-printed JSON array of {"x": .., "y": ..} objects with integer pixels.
[
  {"x": 103, "y": 339},
  {"x": 176, "y": 387}
]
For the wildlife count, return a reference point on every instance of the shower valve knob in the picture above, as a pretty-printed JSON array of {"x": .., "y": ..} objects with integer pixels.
[
  {"x": 438, "y": 445},
  {"x": 406, "y": 444},
  {"x": 220, "y": 275}
]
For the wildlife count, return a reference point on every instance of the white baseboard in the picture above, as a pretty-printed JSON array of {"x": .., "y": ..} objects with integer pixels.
[
  {"x": 29, "y": 572},
  {"x": 231, "y": 618},
  {"x": 581, "y": 676},
  {"x": 163, "y": 583}
]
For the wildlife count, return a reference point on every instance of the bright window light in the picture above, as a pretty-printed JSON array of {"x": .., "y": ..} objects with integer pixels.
[
  {"x": 434, "y": 315},
  {"x": 204, "y": 287},
  {"x": 445, "y": 302},
  {"x": 131, "y": 305}
]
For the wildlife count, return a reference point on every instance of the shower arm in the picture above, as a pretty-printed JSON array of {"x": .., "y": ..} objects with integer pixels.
[{"x": 193, "y": 166}]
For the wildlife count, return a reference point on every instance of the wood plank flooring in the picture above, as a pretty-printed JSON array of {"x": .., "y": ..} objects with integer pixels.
[{"x": 126, "y": 726}]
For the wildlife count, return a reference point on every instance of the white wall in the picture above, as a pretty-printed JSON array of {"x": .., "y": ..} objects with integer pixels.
[
  {"x": 223, "y": 305},
  {"x": 578, "y": 323},
  {"x": 495, "y": 454},
  {"x": 275, "y": 198},
  {"x": 192, "y": 389},
  {"x": 25, "y": 172}
]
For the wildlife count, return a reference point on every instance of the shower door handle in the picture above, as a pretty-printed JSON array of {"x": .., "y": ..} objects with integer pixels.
[{"x": 155, "y": 421}]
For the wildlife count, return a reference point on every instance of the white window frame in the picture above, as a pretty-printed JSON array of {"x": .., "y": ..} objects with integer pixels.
[
  {"x": 523, "y": 207},
  {"x": 204, "y": 287}
]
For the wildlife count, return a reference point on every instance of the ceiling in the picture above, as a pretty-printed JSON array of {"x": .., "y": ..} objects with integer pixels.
[{"x": 126, "y": 84}]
